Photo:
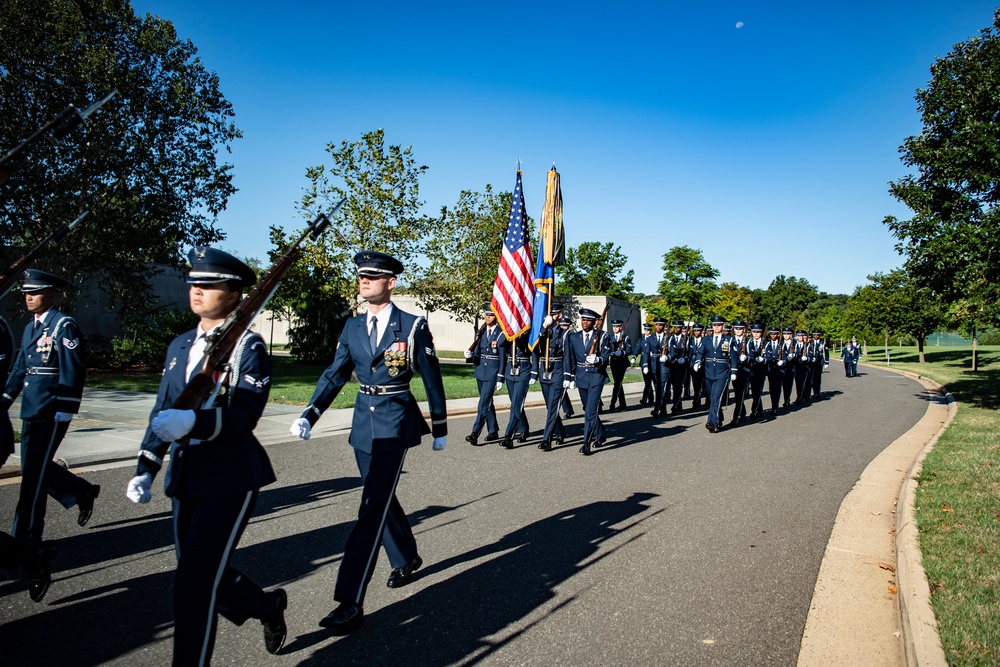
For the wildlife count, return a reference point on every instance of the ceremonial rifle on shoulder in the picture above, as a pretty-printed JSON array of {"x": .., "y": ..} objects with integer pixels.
[
  {"x": 598, "y": 326},
  {"x": 475, "y": 343},
  {"x": 54, "y": 130},
  {"x": 10, "y": 277},
  {"x": 204, "y": 387},
  {"x": 618, "y": 345}
]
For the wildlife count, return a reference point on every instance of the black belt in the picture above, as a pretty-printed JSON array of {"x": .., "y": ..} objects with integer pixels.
[
  {"x": 42, "y": 370},
  {"x": 383, "y": 389}
]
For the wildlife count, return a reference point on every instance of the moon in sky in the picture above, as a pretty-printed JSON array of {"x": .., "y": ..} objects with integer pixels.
[{"x": 739, "y": 24}]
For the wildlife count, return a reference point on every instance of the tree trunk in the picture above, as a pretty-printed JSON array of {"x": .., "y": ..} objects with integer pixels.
[
  {"x": 920, "y": 347},
  {"x": 975, "y": 351},
  {"x": 886, "y": 349}
]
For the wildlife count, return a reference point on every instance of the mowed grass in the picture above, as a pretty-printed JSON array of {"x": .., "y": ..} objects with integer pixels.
[
  {"x": 958, "y": 502},
  {"x": 293, "y": 383}
]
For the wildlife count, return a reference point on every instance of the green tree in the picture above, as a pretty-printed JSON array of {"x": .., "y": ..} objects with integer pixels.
[
  {"x": 595, "y": 268},
  {"x": 147, "y": 166},
  {"x": 381, "y": 185},
  {"x": 952, "y": 242},
  {"x": 464, "y": 254},
  {"x": 688, "y": 285},
  {"x": 785, "y": 300},
  {"x": 732, "y": 302}
]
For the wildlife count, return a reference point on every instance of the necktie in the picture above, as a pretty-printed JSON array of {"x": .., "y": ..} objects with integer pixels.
[
  {"x": 373, "y": 335},
  {"x": 716, "y": 343},
  {"x": 38, "y": 324},
  {"x": 586, "y": 343}
]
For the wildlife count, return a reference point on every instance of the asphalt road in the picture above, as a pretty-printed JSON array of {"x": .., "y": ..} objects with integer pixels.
[{"x": 669, "y": 546}]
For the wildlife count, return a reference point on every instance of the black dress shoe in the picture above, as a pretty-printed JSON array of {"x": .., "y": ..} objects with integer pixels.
[
  {"x": 601, "y": 441},
  {"x": 344, "y": 618},
  {"x": 490, "y": 437},
  {"x": 585, "y": 450},
  {"x": 523, "y": 437},
  {"x": 697, "y": 404},
  {"x": 39, "y": 573},
  {"x": 86, "y": 504},
  {"x": 507, "y": 443},
  {"x": 472, "y": 440},
  {"x": 545, "y": 446},
  {"x": 559, "y": 439},
  {"x": 675, "y": 411},
  {"x": 275, "y": 629},
  {"x": 404, "y": 575},
  {"x": 570, "y": 415},
  {"x": 654, "y": 413}
]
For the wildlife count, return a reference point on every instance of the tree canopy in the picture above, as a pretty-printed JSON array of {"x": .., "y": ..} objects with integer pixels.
[
  {"x": 688, "y": 286},
  {"x": 147, "y": 167},
  {"x": 595, "y": 268}
]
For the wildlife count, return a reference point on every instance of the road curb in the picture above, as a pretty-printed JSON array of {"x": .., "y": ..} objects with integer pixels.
[{"x": 862, "y": 612}]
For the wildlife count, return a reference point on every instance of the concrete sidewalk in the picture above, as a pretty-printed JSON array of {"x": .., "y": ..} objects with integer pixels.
[{"x": 112, "y": 423}]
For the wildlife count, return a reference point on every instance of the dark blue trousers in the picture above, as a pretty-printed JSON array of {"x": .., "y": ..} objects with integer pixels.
[
  {"x": 802, "y": 382},
  {"x": 714, "y": 388},
  {"x": 206, "y": 532},
  {"x": 381, "y": 521},
  {"x": 487, "y": 412},
  {"x": 740, "y": 386},
  {"x": 661, "y": 387},
  {"x": 553, "y": 394},
  {"x": 517, "y": 422},
  {"x": 757, "y": 376},
  {"x": 817, "y": 378},
  {"x": 593, "y": 427},
  {"x": 775, "y": 384},
  {"x": 678, "y": 375}
]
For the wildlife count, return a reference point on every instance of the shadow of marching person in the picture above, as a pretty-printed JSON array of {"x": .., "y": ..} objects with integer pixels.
[{"x": 453, "y": 621}]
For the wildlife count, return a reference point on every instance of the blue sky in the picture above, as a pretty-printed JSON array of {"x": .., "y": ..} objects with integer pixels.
[{"x": 768, "y": 146}]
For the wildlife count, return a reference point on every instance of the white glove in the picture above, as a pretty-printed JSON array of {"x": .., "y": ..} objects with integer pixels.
[
  {"x": 732, "y": 377},
  {"x": 682, "y": 360},
  {"x": 468, "y": 354},
  {"x": 759, "y": 360},
  {"x": 805, "y": 358},
  {"x": 565, "y": 384},
  {"x": 64, "y": 416},
  {"x": 572, "y": 385},
  {"x": 781, "y": 363},
  {"x": 138, "y": 488},
  {"x": 301, "y": 428},
  {"x": 172, "y": 425},
  {"x": 439, "y": 443},
  {"x": 618, "y": 353},
  {"x": 631, "y": 359},
  {"x": 645, "y": 370},
  {"x": 743, "y": 358},
  {"x": 547, "y": 322},
  {"x": 663, "y": 358},
  {"x": 591, "y": 358},
  {"x": 697, "y": 366},
  {"x": 826, "y": 365},
  {"x": 498, "y": 387},
  {"x": 531, "y": 381}
]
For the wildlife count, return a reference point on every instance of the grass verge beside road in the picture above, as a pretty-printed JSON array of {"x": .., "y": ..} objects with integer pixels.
[
  {"x": 958, "y": 501},
  {"x": 293, "y": 383}
]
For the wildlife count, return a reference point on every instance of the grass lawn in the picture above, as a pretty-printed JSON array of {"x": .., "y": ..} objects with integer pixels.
[
  {"x": 293, "y": 383},
  {"x": 958, "y": 502}
]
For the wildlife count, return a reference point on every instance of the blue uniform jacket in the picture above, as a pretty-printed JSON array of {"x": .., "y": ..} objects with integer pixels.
[
  {"x": 519, "y": 357},
  {"x": 223, "y": 456},
  {"x": 754, "y": 349},
  {"x": 588, "y": 376},
  {"x": 386, "y": 415},
  {"x": 653, "y": 350},
  {"x": 737, "y": 347},
  {"x": 694, "y": 349},
  {"x": 490, "y": 356},
  {"x": 715, "y": 359},
  {"x": 558, "y": 368},
  {"x": 49, "y": 368},
  {"x": 677, "y": 345}
]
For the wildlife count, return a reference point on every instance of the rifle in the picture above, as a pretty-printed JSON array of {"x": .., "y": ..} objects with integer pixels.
[
  {"x": 475, "y": 343},
  {"x": 619, "y": 344},
  {"x": 203, "y": 388},
  {"x": 55, "y": 129},
  {"x": 9, "y": 277},
  {"x": 598, "y": 326}
]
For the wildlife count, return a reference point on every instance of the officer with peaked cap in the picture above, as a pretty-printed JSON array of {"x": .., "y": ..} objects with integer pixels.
[
  {"x": 803, "y": 369},
  {"x": 520, "y": 373},
  {"x": 677, "y": 358},
  {"x": 714, "y": 358},
  {"x": 549, "y": 359},
  {"x": 774, "y": 362},
  {"x": 851, "y": 353},
  {"x": 641, "y": 349},
  {"x": 48, "y": 373},
  {"x": 488, "y": 355},
  {"x": 739, "y": 371},
  {"x": 621, "y": 350},
  {"x": 589, "y": 351},
  {"x": 217, "y": 467},
  {"x": 820, "y": 360},
  {"x": 697, "y": 376},
  {"x": 758, "y": 369},
  {"x": 567, "y": 405},
  {"x": 790, "y": 357},
  {"x": 655, "y": 365},
  {"x": 385, "y": 347}
]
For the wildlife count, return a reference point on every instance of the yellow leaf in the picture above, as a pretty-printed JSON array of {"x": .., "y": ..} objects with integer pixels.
[{"x": 887, "y": 566}]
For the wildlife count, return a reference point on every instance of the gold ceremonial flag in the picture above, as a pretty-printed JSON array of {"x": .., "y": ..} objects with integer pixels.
[{"x": 551, "y": 227}]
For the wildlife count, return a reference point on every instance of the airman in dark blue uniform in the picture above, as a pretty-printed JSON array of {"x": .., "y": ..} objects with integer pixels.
[
  {"x": 803, "y": 369},
  {"x": 739, "y": 371},
  {"x": 790, "y": 355},
  {"x": 553, "y": 374},
  {"x": 48, "y": 373},
  {"x": 217, "y": 467},
  {"x": 588, "y": 352},
  {"x": 851, "y": 353},
  {"x": 621, "y": 350},
  {"x": 641, "y": 347},
  {"x": 520, "y": 374},
  {"x": 565, "y": 323},
  {"x": 714, "y": 358},
  {"x": 820, "y": 360},
  {"x": 489, "y": 356},
  {"x": 385, "y": 346},
  {"x": 758, "y": 369},
  {"x": 697, "y": 376},
  {"x": 677, "y": 358},
  {"x": 775, "y": 361},
  {"x": 655, "y": 365}
]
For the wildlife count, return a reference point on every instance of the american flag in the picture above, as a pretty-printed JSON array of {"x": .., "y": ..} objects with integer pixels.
[{"x": 513, "y": 291}]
